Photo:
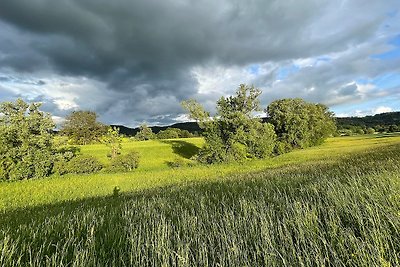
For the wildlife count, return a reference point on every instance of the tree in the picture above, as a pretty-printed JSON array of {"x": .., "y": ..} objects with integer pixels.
[
  {"x": 393, "y": 128},
  {"x": 83, "y": 128},
  {"x": 299, "y": 124},
  {"x": 234, "y": 133},
  {"x": 370, "y": 130},
  {"x": 185, "y": 134},
  {"x": 169, "y": 133},
  {"x": 145, "y": 133},
  {"x": 113, "y": 140},
  {"x": 26, "y": 149}
]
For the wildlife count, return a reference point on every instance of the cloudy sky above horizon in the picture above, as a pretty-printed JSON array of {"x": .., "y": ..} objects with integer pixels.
[{"x": 134, "y": 61}]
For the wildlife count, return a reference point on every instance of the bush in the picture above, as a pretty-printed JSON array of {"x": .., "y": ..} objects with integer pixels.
[
  {"x": 282, "y": 147},
  {"x": 169, "y": 133},
  {"x": 127, "y": 162},
  {"x": 77, "y": 165},
  {"x": 62, "y": 157},
  {"x": 370, "y": 131}
]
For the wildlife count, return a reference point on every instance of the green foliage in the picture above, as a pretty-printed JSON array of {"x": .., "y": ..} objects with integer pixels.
[
  {"x": 299, "y": 124},
  {"x": 169, "y": 133},
  {"x": 62, "y": 157},
  {"x": 82, "y": 164},
  {"x": 26, "y": 149},
  {"x": 233, "y": 134},
  {"x": 261, "y": 140},
  {"x": 125, "y": 163},
  {"x": 346, "y": 132},
  {"x": 172, "y": 133},
  {"x": 145, "y": 133},
  {"x": 83, "y": 128},
  {"x": 394, "y": 128},
  {"x": 113, "y": 140},
  {"x": 370, "y": 131},
  {"x": 197, "y": 112}
]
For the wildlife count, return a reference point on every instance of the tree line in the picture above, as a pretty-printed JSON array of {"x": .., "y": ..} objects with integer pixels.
[
  {"x": 236, "y": 134},
  {"x": 28, "y": 148}
]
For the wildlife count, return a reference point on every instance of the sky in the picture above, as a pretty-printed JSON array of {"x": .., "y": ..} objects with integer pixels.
[{"x": 134, "y": 61}]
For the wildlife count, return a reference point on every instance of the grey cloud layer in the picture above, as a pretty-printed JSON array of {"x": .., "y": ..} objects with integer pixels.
[{"x": 143, "y": 51}]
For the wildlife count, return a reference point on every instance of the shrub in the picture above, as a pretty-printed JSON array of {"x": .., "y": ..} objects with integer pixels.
[
  {"x": 62, "y": 157},
  {"x": 127, "y": 162},
  {"x": 169, "y": 133},
  {"x": 282, "y": 147},
  {"x": 370, "y": 131},
  {"x": 77, "y": 165}
]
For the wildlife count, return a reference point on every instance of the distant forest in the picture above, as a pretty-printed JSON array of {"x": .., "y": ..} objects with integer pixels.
[{"x": 384, "y": 122}]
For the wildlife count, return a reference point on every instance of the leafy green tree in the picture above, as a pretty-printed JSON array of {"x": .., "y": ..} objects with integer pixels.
[
  {"x": 145, "y": 133},
  {"x": 26, "y": 149},
  {"x": 300, "y": 124},
  {"x": 169, "y": 133},
  {"x": 185, "y": 134},
  {"x": 113, "y": 140},
  {"x": 393, "y": 128},
  {"x": 83, "y": 128},
  {"x": 234, "y": 133},
  {"x": 370, "y": 130}
]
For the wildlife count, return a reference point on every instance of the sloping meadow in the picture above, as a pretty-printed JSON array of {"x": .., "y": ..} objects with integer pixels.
[{"x": 315, "y": 213}]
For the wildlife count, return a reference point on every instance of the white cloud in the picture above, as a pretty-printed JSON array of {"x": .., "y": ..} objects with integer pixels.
[{"x": 381, "y": 109}]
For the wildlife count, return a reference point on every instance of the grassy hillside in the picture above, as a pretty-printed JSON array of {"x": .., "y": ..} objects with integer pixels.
[
  {"x": 337, "y": 204},
  {"x": 154, "y": 171}
]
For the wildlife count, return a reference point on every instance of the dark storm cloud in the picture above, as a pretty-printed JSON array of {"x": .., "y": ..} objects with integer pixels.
[{"x": 143, "y": 51}]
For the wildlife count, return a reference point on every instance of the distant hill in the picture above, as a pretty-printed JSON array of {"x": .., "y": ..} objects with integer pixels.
[
  {"x": 383, "y": 119},
  {"x": 190, "y": 126}
]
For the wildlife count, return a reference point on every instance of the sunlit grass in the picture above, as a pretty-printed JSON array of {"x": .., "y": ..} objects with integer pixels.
[
  {"x": 334, "y": 205},
  {"x": 154, "y": 172}
]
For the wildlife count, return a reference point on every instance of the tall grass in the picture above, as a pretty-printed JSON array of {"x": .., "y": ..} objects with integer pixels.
[{"x": 316, "y": 213}]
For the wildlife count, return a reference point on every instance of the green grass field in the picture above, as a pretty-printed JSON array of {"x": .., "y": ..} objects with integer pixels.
[{"x": 337, "y": 204}]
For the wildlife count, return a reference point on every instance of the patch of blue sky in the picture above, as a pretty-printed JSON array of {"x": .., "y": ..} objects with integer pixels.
[
  {"x": 254, "y": 69},
  {"x": 395, "y": 41},
  {"x": 367, "y": 107},
  {"x": 284, "y": 72},
  {"x": 363, "y": 81},
  {"x": 391, "y": 54},
  {"x": 387, "y": 81}
]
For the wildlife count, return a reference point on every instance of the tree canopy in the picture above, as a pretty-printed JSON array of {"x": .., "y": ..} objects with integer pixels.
[
  {"x": 145, "y": 133},
  {"x": 299, "y": 124},
  {"x": 26, "y": 149},
  {"x": 234, "y": 133},
  {"x": 83, "y": 128}
]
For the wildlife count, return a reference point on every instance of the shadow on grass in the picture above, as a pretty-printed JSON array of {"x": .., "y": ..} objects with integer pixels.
[{"x": 183, "y": 148}]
